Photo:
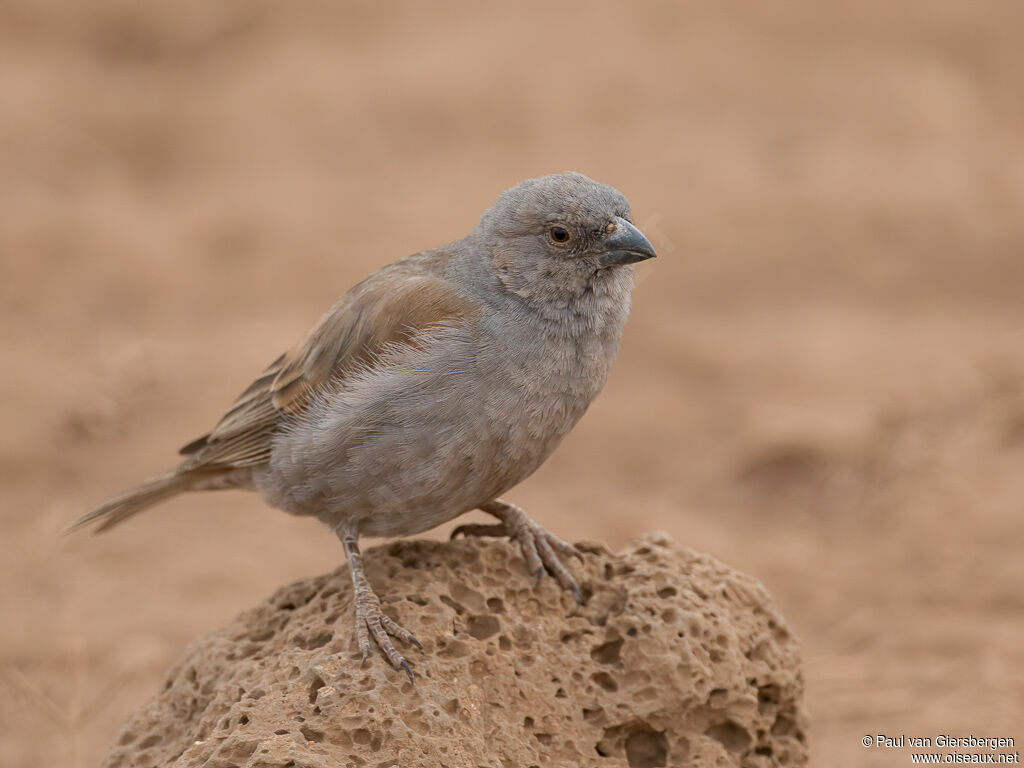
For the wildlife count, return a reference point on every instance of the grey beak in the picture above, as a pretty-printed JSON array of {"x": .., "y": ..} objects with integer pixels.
[{"x": 626, "y": 245}]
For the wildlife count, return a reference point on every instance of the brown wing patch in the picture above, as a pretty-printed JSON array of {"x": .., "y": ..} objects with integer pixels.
[
  {"x": 343, "y": 341},
  {"x": 353, "y": 334}
]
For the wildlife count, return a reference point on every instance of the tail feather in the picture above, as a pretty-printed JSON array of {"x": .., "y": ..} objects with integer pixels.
[{"x": 142, "y": 496}]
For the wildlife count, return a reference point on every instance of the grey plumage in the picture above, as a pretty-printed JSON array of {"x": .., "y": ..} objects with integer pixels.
[{"x": 434, "y": 385}]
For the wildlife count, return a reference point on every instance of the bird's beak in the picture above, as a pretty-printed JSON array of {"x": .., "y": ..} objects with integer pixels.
[{"x": 626, "y": 245}]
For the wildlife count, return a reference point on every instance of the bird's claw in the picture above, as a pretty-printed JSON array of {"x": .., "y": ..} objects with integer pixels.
[
  {"x": 540, "y": 548},
  {"x": 371, "y": 620}
]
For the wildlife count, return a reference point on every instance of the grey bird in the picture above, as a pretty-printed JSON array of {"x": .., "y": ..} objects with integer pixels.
[{"x": 433, "y": 386}]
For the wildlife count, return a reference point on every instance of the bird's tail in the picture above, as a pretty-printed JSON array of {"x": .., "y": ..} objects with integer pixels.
[{"x": 142, "y": 496}]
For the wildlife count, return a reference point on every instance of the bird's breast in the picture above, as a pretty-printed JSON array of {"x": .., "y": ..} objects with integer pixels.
[{"x": 539, "y": 384}]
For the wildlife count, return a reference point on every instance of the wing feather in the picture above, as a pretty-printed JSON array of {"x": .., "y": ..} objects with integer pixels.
[{"x": 391, "y": 307}]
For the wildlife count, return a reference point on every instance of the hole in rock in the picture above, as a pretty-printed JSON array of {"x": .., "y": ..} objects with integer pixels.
[
  {"x": 783, "y": 726},
  {"x": 608, "y": 653},
  {"x": 646, "y": 747},
  {"x": 732, "y": 736},
  {"x": 314, "y": 688},
  {"x": 453, "y": 605},
  {"x": 495, "y": 605},
  {"x": 318, "y": 640},
  {"x": 767, "y": 698},
  {"x": 718, "y": 698},
  {"x": 482, "y": 627},
  {"x": 606, "y": 681},
  {"x": 311, "y": 734}
]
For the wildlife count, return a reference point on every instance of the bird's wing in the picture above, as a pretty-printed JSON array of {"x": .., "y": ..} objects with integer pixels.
[{"x": 390, "y": 307}]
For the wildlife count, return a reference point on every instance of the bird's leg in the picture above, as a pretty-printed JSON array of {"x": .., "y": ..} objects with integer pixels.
[
  {"x": 370, "y": 619},
  {"x": 540, "y": 548}
]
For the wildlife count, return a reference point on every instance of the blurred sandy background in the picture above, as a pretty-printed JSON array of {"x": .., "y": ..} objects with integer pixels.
[{"x": 822, "y": 382}]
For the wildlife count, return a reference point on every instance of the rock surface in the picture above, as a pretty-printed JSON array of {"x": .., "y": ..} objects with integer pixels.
[{"x": 674, "y": 660}]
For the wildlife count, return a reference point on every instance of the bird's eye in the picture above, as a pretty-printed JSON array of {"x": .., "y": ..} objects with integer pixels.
[{"x": 560, "y": 234}]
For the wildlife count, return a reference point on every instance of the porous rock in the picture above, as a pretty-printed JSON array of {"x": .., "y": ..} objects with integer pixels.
[{"x": 674, "y": 660}]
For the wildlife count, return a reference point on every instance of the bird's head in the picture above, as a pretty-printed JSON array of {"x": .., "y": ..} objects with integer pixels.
[{"x": 562, "y": 233}]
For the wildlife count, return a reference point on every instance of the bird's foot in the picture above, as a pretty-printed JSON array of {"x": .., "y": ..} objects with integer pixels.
[
  {"x": 540, "y": 548},
  {"x": 371, "y": 620}
]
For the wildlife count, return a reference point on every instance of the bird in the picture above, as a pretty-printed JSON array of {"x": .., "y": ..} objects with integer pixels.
[{"x": 432, "y": 387}]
